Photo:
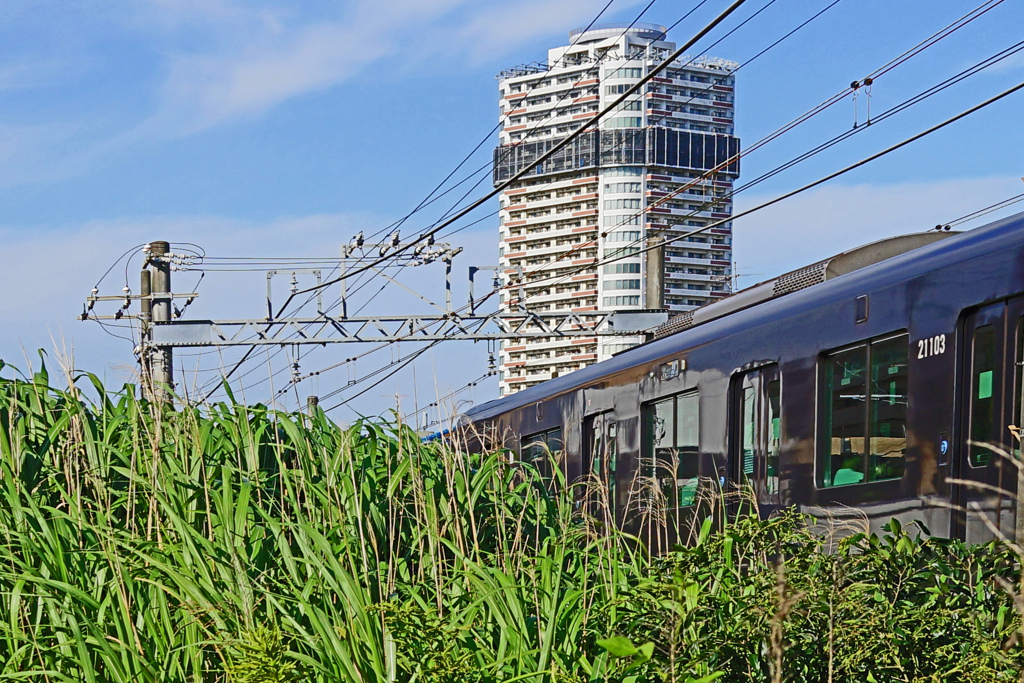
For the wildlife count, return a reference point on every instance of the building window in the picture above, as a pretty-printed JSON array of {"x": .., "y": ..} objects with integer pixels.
[
  {"x": 636, "y": 105},
  {"x": 671, "y": 452},
  {"x": 618, "y": 188},
  {"x": 623, "y": 236},
  {"x": 622, "y": 251},
  {"x": 616, "y": 89},
  {"x": 864, "y": 409},
  {"x": 623, "y": 122},
  {"x": 624, "y": 73},
  {"x": 620, "y": 268},
  {"x": 621, "y": 301},
  {"x": 622, "y": 204},
  {"x": 622, "y": 220},
  {"x": 622, "y": 284},
  {"x": 623, "y": 170},
  {"x": 612, "y": 349}
]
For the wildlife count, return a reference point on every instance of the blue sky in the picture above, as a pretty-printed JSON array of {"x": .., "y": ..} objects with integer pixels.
[{"x": 282, "y": 128}]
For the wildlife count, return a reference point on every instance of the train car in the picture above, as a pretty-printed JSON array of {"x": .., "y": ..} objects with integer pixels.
[{"x": 885, "y": 380}]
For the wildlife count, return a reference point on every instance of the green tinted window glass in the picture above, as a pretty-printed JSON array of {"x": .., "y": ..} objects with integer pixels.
[
  {"x": 748, "y": 443},
  {"x": 888, "y": 408},
  {"x": 845, "y": 413},
  {"x": 983, "y": 361},
  {"x": 985, "y": 384},
  {"x": 687, "y": 448}
]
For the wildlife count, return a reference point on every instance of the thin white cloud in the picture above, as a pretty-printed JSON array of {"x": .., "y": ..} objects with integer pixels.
[
  {"x": 202, "y": 92},
  {"x": 33, "y": 73},
  {"x": 268, "y": 60},
  {"x": 500, "y": 27},
  {"x": 225, "y": 60}
]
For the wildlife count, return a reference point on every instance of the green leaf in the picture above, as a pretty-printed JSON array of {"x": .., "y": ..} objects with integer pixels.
[{"x": 618, "y": 646}]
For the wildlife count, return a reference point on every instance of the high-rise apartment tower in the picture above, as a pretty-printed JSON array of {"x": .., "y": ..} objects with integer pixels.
[{"x": 604, "y": 195}]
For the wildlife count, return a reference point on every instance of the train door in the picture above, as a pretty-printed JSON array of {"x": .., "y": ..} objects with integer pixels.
[
  {"x": 986, "y": 497},
  {"x": 600, "y": 460},
  {"x": 756, "y": 434}
]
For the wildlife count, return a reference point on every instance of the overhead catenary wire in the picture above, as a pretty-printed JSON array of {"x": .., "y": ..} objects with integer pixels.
[
  {"x": 540, "y": 125},
  {"x": 790, "y": 194},
  {"x": 984, "y": 211},
  {"x": 408, "y": 359},
  {"x": 919, "y": 47},
  {"x": 493, "y": 130}
]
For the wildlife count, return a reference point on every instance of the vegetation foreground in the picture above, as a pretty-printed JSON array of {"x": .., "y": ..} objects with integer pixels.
[{"x": 234, "y": 543}]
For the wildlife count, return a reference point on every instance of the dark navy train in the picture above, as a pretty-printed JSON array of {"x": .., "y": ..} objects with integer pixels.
[{"x": 868, "y": 381}]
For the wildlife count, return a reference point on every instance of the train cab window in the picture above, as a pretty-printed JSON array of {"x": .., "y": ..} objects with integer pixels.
[
  {"x": 671, "y": 447},
  {"x": 865, "y": 413}
]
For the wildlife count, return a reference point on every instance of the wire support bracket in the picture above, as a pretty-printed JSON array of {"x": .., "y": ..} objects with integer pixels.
[{"x": 379, "y": 329}]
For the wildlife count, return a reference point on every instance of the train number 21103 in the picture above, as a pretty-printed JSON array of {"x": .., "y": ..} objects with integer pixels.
[{"x": 932, "y": 346}]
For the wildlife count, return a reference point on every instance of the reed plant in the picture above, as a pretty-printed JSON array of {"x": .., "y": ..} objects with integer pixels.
[{"x": 144, "y": 542}]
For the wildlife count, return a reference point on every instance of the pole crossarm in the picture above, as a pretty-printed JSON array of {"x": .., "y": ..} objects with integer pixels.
[{"x": 412, "y": 328}]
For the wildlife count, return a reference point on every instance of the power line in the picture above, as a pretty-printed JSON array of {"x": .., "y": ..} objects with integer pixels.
[
  {"x": 987, "y": 210},
  {"x": 410, "y": 358}
]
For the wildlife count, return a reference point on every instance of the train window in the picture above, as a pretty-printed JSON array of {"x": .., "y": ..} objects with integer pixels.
[
  {"x": 671, "y": 446},
  {"x": 541, "y": 449},
  {"x": 1017, "y": 407},
  {"x": 887, "y": 418},
  {"x": 774, "y": 437},
  {"x": 747, "y": 443},
  {"x": 983, "y": 413},
  {"x": 865, "y": 413},
  {"x": 756, "y": 432}
]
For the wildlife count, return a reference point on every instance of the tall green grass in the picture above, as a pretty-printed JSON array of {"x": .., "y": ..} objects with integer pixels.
[{"x": 232, "y": 542}]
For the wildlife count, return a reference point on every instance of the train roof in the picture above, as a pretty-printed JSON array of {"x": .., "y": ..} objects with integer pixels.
[{"x": 903, "y": 266}]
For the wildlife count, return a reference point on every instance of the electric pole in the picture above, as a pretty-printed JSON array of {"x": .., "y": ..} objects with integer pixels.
[
  {"x": 655, "y": 273},
  {"x": 162, "y": 368}
]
